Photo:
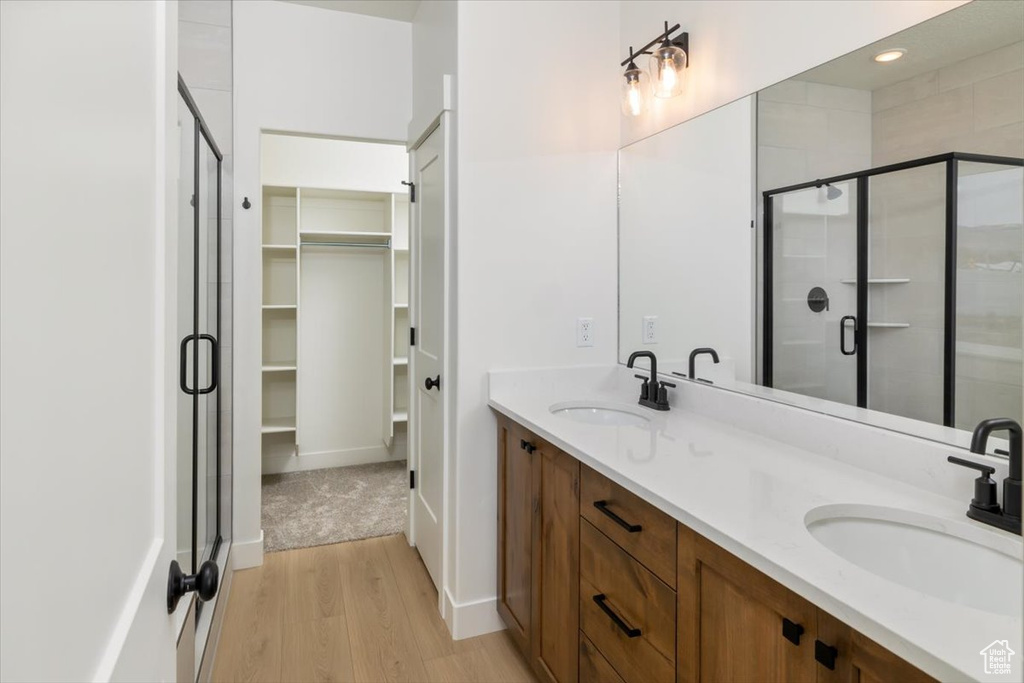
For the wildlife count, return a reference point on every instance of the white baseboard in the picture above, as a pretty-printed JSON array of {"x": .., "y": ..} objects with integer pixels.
[
  {"x": 471, "y": 619},
  {"x": 279, "y": 464},
  {"x": 247, "y": 554}
]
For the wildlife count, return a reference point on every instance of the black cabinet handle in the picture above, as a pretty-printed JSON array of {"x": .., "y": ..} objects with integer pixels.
[
  {"x": 825, "y": 655},
  {"x": 527, "y": 446},
  {"x": 602, "y": 505},
  {"x": 791, "y": 631},
  {"x": 630, "y": 632},
  {"x": 842, "y": 335},
  {"x": 433, "y": 383}
]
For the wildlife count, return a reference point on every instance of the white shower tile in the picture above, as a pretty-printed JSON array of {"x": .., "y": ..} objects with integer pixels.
[
  {"x": 216, "y": 12},
  {"x": 204, "y": 55}
]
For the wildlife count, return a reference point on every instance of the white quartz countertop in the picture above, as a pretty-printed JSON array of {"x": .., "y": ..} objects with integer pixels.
[{"x": 751, "y": 494}]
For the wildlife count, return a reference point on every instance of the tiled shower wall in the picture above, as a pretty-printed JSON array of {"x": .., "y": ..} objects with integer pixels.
[
  {"x": 204, "y": 62},
  {"x": 807, "y": 131},
  {"x": 976, "y": 105}
]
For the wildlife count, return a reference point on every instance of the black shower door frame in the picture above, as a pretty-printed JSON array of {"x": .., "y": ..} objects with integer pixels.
[
  {"x": 201, "y": 129},
  {"x": 951, "y": 161}
]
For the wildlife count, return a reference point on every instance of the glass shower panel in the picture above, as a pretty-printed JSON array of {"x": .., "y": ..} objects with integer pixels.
[
  {"x": 814, "y": 270},
  {"x": 989, "y": 292},
  {"x": 185, "y": 328},
  {"x": 906, "y": 292}
]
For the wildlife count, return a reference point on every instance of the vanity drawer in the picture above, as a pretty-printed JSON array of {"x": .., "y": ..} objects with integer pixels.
[
  {"x": 646, "y": 533},
  {"x": 627, "y": 612},
  {"x": 594, "y": 668}
]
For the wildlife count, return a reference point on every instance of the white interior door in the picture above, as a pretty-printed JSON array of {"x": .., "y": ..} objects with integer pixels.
[
  {"x": 429, "y": 239},
  {"x": 89, "y": 354}
]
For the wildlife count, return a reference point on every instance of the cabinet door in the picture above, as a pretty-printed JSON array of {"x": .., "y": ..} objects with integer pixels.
[
  {"x": 858, "y": 659},
  {"x": 515, "y": 536},
  {"x": 556, "y": 542},
  {"x": 744, "y": 620}
]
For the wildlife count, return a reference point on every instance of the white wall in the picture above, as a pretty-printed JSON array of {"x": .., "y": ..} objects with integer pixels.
[
  {"x": 87, "y": 357},
  {"x": 686, "y": 242},
  {"x": 741, "y": 46},
  {"x": 537, "y": 134},
  {"x": 434, "y": 54},
  {"x": 536, "y": 224},
  {"x": 304, "y": 70}
]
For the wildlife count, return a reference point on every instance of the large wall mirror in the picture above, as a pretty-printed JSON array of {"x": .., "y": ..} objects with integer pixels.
[{"x": 850, "y": 240}]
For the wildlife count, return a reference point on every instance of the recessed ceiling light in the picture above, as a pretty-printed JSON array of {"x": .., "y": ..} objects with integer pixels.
[{"x": 890, "y": 55}]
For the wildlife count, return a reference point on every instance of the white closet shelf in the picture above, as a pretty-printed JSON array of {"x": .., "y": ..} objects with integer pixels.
[
  {"x": 279, "y": 366},
  {"x": 278, "y": 425},
  {"x": 279, "y": 307},
  {"x": 375, "y": 238},
  {"x": 400, "y": 416},
  {"x": 400, "y": 360},
  {"x": 878, "y": 280},
  {"x": 402, "y": 250},
  {"x": 401, "y": 306},
  {"x": 279, "y": 247}
]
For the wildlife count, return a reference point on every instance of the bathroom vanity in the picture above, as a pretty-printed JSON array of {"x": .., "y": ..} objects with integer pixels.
[{"x": 714, "y": 542}]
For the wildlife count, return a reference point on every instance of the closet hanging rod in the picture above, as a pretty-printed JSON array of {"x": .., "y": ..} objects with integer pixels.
[{"x": 361, "y": 245}]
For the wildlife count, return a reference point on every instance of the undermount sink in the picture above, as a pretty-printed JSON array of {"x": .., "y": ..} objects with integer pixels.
[
  {"x": 600, "y": 413},
  {"x": 954, "y": 561}
]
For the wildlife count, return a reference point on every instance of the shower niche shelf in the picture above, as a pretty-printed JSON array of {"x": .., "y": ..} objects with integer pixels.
[{"x": 879, "y": 281}]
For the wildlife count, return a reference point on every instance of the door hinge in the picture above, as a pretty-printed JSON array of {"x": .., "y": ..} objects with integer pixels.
[
  {"x": 412, "y": 479},
  {"x": 412, "y": 336},
  {"x": 412, "y": 190}
]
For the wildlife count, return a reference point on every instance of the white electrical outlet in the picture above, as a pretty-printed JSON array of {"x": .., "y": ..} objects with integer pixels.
[
  {"x": 650, "y": 329},
  {"x": 584, "y": 331}
]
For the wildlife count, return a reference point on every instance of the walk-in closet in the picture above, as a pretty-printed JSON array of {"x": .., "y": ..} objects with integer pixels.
[{"x": 335, "y": 340}]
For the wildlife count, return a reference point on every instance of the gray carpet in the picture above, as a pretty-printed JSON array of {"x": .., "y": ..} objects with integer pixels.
[{"x": 305, "y": 509}]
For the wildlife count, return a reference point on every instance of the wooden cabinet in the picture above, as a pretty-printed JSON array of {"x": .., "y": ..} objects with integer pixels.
[
  {"x": 538, "y": 551},
  {"x": 597, "y": 585},
  {"x": 515, "y": 534},
  {"x": 741, "y": 625},
  {"x": 736, "y": 624}
]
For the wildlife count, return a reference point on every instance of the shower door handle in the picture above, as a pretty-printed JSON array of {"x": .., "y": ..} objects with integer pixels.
[
  {"x": 842, "y": 335},
  {"x": 183, "y": 364},
  {"x": 214, "y": 363}
]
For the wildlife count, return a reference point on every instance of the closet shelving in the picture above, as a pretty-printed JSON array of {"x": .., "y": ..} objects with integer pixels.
[{"x": 298, "y": 217}]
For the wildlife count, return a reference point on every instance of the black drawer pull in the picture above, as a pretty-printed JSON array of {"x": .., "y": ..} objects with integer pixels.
[
  {"x": 630, "y": 632},
  {"x": 791, "y": 631},
  {"x": 602, "y": 505},
  {"x": 825, "y": 655},
  {"x": 527, "y": 446}
]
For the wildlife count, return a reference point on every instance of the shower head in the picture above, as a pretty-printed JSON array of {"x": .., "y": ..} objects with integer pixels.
[{"x": 831, "y": 192}]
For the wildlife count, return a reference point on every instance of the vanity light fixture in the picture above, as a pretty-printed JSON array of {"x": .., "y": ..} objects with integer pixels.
[
  {"x": 634, "y": 89},
  {"x": 890, "y": 55},
  {"x": 668, "y": 61}
]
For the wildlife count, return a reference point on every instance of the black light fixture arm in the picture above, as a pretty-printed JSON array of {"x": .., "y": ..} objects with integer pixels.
[{"x": 681, "y": 41}]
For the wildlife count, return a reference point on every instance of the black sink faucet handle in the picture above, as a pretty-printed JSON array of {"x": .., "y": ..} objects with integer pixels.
[
  {"x": 984, "y": 486},
  {"x": 645, "y": 388}
]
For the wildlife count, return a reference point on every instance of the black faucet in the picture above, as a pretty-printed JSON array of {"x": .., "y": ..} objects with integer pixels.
[
  {"x": 693, "y": 357},
  {"x": 984, "y": 507},
  {"x": 653, "y": 394}
]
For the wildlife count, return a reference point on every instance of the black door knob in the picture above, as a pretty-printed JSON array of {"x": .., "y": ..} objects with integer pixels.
[
  {"x": 204, "y": 583},
  {"x": 433, "y": 383}
]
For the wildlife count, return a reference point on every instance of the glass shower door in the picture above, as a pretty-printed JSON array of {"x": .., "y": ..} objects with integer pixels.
[
  {"x": 906, "y": 292},
  {"x": 813, "y": 297}
]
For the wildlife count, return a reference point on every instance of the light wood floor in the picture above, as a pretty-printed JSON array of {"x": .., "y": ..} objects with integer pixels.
[{"x": 357, "y": 611}]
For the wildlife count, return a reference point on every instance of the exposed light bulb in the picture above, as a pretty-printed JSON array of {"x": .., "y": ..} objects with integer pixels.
[
  {"x": 669, "y": 79},
  {"x": 634, "y": 99},
  {"x": 667, "y": 65}
]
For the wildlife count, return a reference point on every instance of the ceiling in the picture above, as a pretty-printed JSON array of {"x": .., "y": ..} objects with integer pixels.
[
  {"x": 399, "y": 10},
  {"x": 964, "y": 32}
]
